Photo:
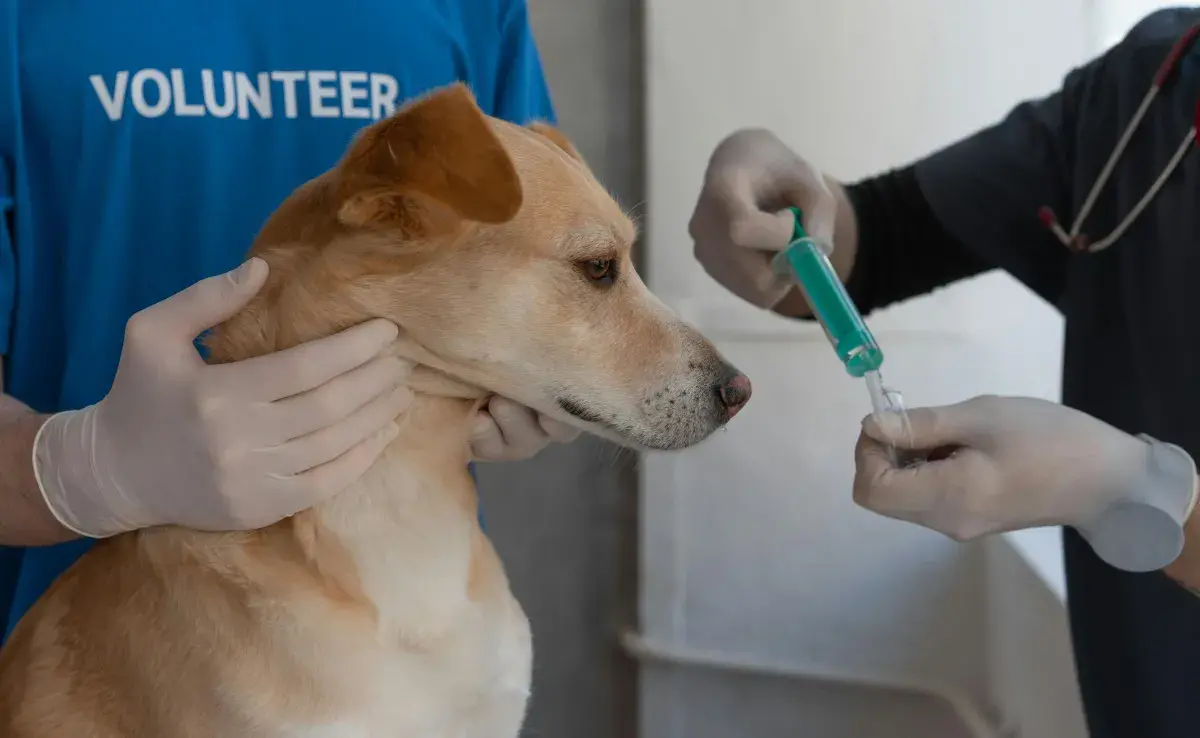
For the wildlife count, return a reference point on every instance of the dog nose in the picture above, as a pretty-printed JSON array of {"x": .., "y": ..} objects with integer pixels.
[{"x": 734, "y": 393}]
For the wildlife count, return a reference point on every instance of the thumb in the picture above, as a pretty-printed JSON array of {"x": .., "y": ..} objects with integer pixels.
[
  {"x": 821, "y": 215},
  {"x": 751, "y": 228},
  {"x": 927, "y": 427},
  {"x": 934, "y": 494},
  {"x": 817, "y": 202},
  {"x": 882, "y": 487},
  {"x": 211, "y": 301}
]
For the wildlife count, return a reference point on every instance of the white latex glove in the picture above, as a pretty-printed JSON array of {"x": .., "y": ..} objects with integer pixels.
[
  {"x": 508, "y": 431},
  {"x": 1004, "y": 463},
  {"x": 225, "y": 446},
  {"x": 738, "y": 223}
]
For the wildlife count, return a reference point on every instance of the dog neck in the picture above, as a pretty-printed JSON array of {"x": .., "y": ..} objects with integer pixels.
[
  {"x": 400, "y": 542},
  {"x": 433, "y": 376},
  {"x": 410, "y": 523},
  {"x": 402, "y": 535}
]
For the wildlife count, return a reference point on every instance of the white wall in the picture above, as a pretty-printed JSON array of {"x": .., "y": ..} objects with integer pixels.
[
  {"x": 751, "y": 545},
  {"x": 1112, "y": 19},
  {"x": 1031, "y": 671}
]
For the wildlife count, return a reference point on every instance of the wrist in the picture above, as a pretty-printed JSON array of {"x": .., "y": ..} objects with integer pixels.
[
  {"x": 1141, "y": 528},
  {"x": 1186, "y": 568},
  {"x": 845, "y": 233},
  {"x": 26, "y": 520},
  {"x": 65, "y": 472}
]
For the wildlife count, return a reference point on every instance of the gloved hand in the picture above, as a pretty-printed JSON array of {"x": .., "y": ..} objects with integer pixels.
[
  {"x": 1004, "y": 463},
  {"x": 738, "y": 223},
  {"x": 220, "y": 447},
  {"x": 509, "y": 431}
]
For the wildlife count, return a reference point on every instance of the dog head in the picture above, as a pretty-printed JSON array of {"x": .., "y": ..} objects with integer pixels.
[{"x": 506, "y": 265}]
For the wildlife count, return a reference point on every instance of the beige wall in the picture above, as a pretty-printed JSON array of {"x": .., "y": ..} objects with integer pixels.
[{"x": 565, "y": 522}]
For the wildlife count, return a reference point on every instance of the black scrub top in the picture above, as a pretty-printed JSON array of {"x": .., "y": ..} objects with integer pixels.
[{"x": 1132, "y": 322}]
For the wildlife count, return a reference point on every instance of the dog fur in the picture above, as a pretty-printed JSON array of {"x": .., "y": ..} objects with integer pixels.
[{"x": 385, "y": 610}]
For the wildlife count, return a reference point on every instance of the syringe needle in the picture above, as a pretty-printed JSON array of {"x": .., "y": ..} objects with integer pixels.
[
  {"x": 887, "y": 406},
  {"x": 806, "y": 264}
]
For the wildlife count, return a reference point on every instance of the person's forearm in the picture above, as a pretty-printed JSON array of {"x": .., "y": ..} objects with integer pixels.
[
  {"x": 1186, "y": 569},
  {"x": 24, "y": 517}
]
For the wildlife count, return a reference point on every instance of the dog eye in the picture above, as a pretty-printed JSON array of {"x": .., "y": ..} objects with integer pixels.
[{"x": 600, "y": 270}]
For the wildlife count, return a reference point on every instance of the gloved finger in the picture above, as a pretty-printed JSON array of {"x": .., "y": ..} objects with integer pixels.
[
  {"x": 326, "y": 480},
  {"x": 304, "y": 453},
  {"x": 309, "y": 365},
  {"x": 558, "y": 431},
  {"x": 818, "y": 205},
  {"x": 950, "y": 495},
  {"x": 729, "y": 210},
  {"x": 487, "y": 442},
  {"x": 204, "y": 304},
  {"x": 752, "y": 228},
  {"x": 333, "y": 401},
  {"x": 904, "y": 491},
  {"x": 881, "y": 486},
  {"x": 929, "y": 428},
  {"x": 743, "y": 272},
  {"x": 521, "y": 434}
]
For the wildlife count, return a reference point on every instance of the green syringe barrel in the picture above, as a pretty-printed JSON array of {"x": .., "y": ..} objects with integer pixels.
[{"x": 808, "y": 264}]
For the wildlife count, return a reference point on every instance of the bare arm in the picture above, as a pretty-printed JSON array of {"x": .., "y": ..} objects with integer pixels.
[
  {"x": 25, "y": 520},
  {"x": 1186, "y": 569}
]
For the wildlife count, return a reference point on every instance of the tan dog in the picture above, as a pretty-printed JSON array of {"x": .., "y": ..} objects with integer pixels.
[{"x": 384, "y": 611}]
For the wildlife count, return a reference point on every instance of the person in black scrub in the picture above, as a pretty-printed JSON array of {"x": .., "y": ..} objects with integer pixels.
[{"x": 1132, "y": 361}]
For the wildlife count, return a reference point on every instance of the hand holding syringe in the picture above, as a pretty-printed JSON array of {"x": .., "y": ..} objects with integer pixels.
[
  {"x": 1129, "y": 501},
  {"x": 805, "y": 263}
]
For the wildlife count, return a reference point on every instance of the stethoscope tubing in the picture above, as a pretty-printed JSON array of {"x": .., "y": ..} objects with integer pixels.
[{"x": 1074, "y": 239}]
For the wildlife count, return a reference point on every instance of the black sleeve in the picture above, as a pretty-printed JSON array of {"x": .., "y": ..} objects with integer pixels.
[
  {"x": 973, "y": 206},
  {"x": 903, "y": 249}
]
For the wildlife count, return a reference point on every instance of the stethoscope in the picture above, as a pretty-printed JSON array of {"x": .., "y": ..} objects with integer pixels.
[{"x": 1079, "y": 242}]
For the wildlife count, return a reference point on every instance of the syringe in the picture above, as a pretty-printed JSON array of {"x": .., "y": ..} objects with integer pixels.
[{"x": 805, "y": 263}]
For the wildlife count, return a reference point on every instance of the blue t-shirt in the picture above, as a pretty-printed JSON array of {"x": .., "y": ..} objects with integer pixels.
[{"x": 142, "y": 145}]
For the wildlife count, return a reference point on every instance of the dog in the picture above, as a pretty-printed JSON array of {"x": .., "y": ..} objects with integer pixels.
[{"x": 383, "y": 611}]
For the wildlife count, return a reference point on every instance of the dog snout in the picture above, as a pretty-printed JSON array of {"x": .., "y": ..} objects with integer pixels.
[{"x": 733, "y": 392}]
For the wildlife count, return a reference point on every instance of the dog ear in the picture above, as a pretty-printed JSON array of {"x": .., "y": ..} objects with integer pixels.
[
  {"x": 557, "y": 137},
  {"x": 437, "y": 153}
]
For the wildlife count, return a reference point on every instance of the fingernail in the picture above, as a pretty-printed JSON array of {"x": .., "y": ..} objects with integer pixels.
[{"x": 247, "y": 271}]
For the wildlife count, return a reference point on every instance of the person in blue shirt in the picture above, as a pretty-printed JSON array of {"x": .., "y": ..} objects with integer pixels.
[{"x": 142, "y": 145}]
